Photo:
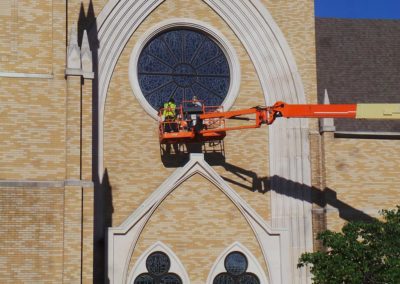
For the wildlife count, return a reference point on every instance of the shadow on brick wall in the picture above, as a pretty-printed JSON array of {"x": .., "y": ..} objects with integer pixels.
[
  {"x": 250, "y": 180},
  {"x": 102, "y": 215},
  {"x": 177, "y": 155},
  {"x": 320, "y": 197}
]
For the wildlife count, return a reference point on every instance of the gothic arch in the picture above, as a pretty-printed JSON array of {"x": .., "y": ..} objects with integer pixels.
[
  {"x": 274, "y": 242},
  {"x": 280, "y": 80}
]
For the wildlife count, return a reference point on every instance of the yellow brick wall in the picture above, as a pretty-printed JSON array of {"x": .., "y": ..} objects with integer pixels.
[
  {"x": 32, "y": 110},
  {"x": 364, "y": 174},
  {"x": 34, "y": 247},
  {"x": 26, "y": 37},
  {"x": 296, "y": 21},
  {"x": 31, "y": 235},
  {"x": 32, "y": 129},
  {"x": 198, "y": 222},
  {"x": 72, "y": 234}
]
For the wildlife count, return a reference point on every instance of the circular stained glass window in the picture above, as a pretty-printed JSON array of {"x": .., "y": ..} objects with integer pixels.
[
  {"x": 158, "y": 263},
  {"x": 180, "y": 64},
  {"x": 236, "y": 263}
]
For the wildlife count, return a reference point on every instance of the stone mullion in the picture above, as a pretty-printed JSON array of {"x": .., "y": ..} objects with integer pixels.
[
  {"x": 73, "y": 131},
  {"x": 86, "y": 135},
  {"x": 87, "y": 235},
  {"x": 72, "y": 262},
  {"x": 318, "y": 182},
  {"x": 86, "y": 175},
  {"x": 72, "y": 234}
]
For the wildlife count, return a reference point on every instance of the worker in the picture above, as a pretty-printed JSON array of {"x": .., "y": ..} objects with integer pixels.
[
  {"x": 196, "y": 102},
  {"x": 196, "y": 123},
  {"x": 169, "y": 116}
]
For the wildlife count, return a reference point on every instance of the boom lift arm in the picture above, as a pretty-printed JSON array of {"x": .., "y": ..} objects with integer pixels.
[
  {"x": 214, "y": 128},
  {"x": 268, "y": 114}
]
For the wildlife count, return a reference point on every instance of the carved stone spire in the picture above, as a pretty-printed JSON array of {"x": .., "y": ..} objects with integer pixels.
[
  {"x": 326, "y": 124},
  {"x": 73, "y": 51},
  {"x": 86, "y": 55}
]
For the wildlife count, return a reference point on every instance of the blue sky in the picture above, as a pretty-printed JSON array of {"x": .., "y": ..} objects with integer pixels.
[{"x": 358, "y": 9}]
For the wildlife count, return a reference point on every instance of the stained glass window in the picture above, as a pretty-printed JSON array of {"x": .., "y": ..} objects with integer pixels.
[
  {"x": 158, "y": 265},
  {"x": 236, "y": 263},
  {"x": 236, "y": 266},
  {"x": 180, "y": 64}
]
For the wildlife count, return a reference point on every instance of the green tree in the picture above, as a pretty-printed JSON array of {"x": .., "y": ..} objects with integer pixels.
[{"x": 364, "y": 252}]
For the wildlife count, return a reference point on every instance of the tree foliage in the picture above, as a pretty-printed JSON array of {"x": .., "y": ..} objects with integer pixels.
[{"x": 364, "y": 252}]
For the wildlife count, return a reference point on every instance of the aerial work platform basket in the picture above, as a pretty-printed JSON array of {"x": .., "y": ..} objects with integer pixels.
[{"x": 187, "y": 126}]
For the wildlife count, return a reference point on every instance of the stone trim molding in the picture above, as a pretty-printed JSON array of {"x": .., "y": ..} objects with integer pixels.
[
  {"x": 218, "y": 37},
  {"x": 274, "y": 242},
  {"x": 44, "y": 184},
  {"x": 176, "y": 265},
  {"x": 254, "y": 266},
  {"x": 26, "y": 75}
]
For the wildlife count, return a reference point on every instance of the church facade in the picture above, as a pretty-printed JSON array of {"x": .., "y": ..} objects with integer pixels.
[{"x": 88, "y": 194}]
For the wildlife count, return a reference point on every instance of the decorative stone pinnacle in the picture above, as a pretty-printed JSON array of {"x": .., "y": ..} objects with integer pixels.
[
  {"x": 326, "y": 124},
  {"x": 86, "y": 54},
  {"x": 73, "y": 50}
]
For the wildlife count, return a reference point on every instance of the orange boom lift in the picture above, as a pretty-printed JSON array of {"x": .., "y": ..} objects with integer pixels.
[{"x": 210, "y": 121}]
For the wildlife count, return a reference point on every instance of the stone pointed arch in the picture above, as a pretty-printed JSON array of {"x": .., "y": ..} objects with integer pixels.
[
  {"x": 274, "y": 242},
  {"x": 280, "y": 80}
]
